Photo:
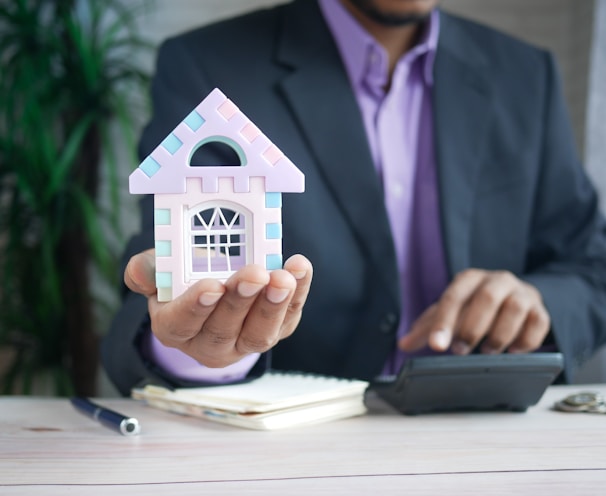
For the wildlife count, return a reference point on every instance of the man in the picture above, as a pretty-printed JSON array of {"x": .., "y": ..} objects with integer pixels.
[{"x": 445, "y": 209}]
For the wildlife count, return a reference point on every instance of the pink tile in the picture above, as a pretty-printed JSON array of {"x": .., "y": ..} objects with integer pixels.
[
  {"x": 250, "y": 132},
  {"x": 272, "y": 154},
  {"x": 227, "y": 109}
]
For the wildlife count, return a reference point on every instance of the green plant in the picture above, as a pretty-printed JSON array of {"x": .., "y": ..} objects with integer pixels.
[{"x": 67, "y": 77}]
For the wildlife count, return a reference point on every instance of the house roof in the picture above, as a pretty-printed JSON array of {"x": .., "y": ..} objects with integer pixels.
[{"x": 216, "y": 118}]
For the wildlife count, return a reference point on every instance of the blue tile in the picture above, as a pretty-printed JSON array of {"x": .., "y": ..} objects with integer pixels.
[
  {"x": 273, "y": 231},
  {"x": 273, "y": 200},
  {"x": 273, "y": 262},
  {"x": 149, "y": 166},
  {"x": 164, "y": 248},
  {"x": 194, "y": 120},
  {"x": 172, "y": 143},
  {"x": 164, "y": 279},
  {"x": 162, "y": 216}
]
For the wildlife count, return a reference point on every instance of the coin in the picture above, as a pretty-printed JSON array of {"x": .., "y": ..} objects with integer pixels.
[{"x": 585, "y": 401}]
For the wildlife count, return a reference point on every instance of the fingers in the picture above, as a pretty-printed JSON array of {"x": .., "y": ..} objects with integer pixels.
[
  {"x": 493, "y": 309},
  {"x": 217, "y": 324},
  {"x": 262, "y": 327},
  {"x": 439, "y": 324},
  {"x": 277, "y": 310},
  {"x": 302, "y": 270},
  {"x": 177, "y": 322},
  {"x": 491, "y": 296},
  {"x": 218, "y": 327},
  {"x": 509, "y": 321},
  {"x": 418, "y": 335},
  {"x": 534, "y": 333}
]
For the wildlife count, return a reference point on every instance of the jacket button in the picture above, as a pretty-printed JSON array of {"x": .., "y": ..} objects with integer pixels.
[{"x": 388, "y": 323}]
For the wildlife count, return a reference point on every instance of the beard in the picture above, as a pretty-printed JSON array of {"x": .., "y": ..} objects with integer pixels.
[{"x": 370, "y": 10}]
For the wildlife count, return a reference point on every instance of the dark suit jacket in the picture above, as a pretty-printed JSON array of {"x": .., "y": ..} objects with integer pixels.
[{"x": 513, "y": 194}]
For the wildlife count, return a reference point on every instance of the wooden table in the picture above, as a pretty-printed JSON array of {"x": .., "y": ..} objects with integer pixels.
[{"x": 46, "y": 447}]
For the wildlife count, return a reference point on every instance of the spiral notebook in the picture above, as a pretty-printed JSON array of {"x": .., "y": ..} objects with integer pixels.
[{"x": 276, "y": 400}]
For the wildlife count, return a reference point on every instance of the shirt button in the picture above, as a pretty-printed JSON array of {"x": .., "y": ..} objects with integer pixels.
[
  {"x": 397, "y": 190},
  {"x": 387, "y": 324}
]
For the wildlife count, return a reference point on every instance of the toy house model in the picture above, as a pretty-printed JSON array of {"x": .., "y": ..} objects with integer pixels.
[{"x": 212, "y": 220}]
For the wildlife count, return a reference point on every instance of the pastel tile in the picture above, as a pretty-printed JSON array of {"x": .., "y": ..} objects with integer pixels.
[
  {"x": 273, "y": 154},
  {"x": 227, "y": 109},
  {"x": 162, "y": 216},
  {"x": 194, "y": 120},
  {"x": 171, "y": 143},
  {"x": 273, "y": 200},
  {"x": 149, "y": 166},
  {"x": 273, "y": 231},
  {"x": 250, "y": 132},
  {"x": 163, "y": 248},
  {"x": 165, "y": 294},
  {"x": 273, "y": 261},
  {"x": 164, "y": 279}
]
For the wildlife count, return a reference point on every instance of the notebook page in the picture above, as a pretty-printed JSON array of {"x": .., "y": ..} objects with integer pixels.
[{"x": 272, "y": 391}]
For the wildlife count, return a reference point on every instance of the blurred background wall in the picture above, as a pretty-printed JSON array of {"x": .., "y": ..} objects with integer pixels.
[
  {"x": 595, "y": 141},
  {"x": 574, "y": 30}
]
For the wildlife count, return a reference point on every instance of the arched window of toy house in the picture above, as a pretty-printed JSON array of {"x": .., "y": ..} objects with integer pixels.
[
  {"x": 217, "y": 151},
  {"x": 218, "y": 232}
]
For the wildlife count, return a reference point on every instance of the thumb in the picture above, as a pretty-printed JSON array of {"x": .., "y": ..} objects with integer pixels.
[{"x": 140, "y": 273}]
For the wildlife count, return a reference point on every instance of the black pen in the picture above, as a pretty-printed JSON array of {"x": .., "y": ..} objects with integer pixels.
[{"x": 126, "y": 426}]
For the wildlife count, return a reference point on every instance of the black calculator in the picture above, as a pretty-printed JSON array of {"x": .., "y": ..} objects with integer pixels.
[{"x": 449, "y": 383}]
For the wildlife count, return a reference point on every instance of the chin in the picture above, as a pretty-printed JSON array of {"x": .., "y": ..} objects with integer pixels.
[{"x": 394, "y": 12}]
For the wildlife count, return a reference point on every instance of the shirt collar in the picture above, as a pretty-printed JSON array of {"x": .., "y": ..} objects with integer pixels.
[{"x": 364, "y": 58}]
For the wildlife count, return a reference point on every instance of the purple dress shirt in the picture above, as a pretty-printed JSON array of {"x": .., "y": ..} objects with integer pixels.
[{"x": 399, "y": 128}]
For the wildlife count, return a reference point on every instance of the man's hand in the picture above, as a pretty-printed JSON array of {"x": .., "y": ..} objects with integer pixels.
[
  {"x": 217, "y": 324},
  {"x": 493, "y": 308}
]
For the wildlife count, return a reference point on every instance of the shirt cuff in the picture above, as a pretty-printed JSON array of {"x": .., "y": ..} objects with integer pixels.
[{"x": 184, "y": 367}]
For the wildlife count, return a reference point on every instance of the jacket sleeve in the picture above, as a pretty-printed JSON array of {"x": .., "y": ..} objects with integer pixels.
[{"x": 567, "y": 262}]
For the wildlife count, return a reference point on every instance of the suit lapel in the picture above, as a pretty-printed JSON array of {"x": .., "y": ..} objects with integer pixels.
[
  {"x": 318, "y": 92},
  {"x": 320, "y": 96},
  {"x": 461, "y": 114}
]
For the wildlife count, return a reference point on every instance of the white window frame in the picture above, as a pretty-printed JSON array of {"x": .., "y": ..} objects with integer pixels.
[{"x": 209, "y": 231}]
